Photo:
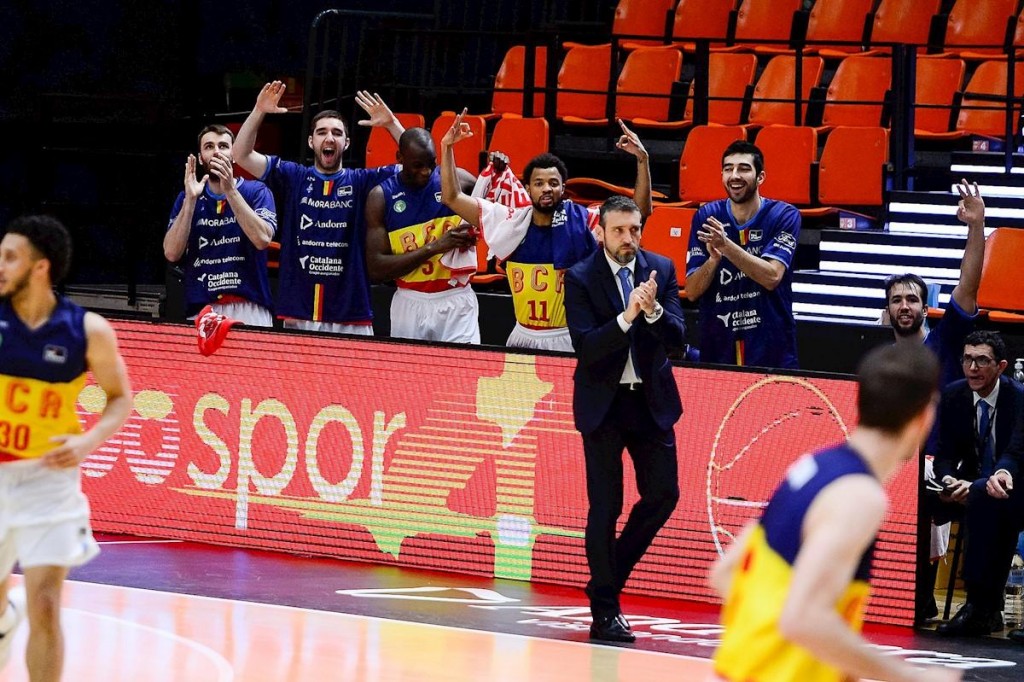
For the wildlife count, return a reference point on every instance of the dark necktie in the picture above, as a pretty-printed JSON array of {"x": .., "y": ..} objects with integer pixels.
[
  {"x": 626, "y": 280},
  {"x": 986, "y": 451}
]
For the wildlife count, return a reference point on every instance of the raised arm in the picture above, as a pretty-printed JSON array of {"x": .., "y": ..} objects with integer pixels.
[
  {"x": 972, "y": 212},
  {"x": 382, "y": 264},
  {"x": 630, "y": 142},
  {"x": 244, "y": 149},
  {"x": 176, "y": 239},
  {"x": 109, "y": 371},
  {"x": 380, "y": 113},
  {"x": 451, "y": 193}
]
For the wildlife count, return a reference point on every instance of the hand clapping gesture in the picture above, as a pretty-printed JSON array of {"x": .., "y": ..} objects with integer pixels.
[
  {"x": 712, "y": 235},
  {"x": 193, "y": 186}
]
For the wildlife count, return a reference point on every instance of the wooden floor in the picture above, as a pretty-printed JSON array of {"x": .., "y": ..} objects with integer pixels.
[{"x": 118, "y": 633}]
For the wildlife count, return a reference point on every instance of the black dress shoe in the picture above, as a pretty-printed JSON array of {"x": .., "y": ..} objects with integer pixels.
[
  {"x": 970, "y": 621},
  {"x": 612, "y": 629},
  {"x": 1016, "y": 635}
]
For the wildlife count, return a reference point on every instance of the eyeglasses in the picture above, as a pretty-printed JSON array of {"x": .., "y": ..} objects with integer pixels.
[{"x": 982, "y": 361}]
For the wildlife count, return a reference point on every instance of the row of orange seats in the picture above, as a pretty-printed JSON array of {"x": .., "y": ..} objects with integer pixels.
[
  {"x": 973, "y": 29},
  {"x": 855, "y": 95}
]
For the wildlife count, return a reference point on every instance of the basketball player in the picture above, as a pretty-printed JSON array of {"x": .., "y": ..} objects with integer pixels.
[
  {"x": 46, "y": 345},
  {"x": 795, "y": 583}
]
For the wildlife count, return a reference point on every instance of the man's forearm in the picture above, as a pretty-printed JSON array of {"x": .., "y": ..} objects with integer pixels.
[
  {"x": 754, "y": 267},
  {"x": 176, "y": 239},
  {"x": 255, "y": 228},
  {"x": 244, "y": 148},
  {"x": 699, "y": 281},
  {"x": 642, "y": 188}
]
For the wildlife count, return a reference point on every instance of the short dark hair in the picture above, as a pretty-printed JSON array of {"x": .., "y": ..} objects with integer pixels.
[
  {"x": 905, "y": 279},
  {"x": 544, "y": 160},
  {"x": 744, "y": 147},
  {"x": 989, "y": 338},
  {"x": 328, "y": 113},
  {"x": 617, "y": 202},
  {"x": 50, "y": 238},
  {"x": 416, "y": 136},
  {"x": 214, "y": 128},
  {"x": 896, "y": 382}
]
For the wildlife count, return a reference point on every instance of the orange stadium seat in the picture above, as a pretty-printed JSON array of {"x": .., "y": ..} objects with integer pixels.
[
  {"x": 852, "y": 167},
  {"x": 381, "y": 147},
  {"x": 667, "y": 232},
  {"x": 789, "y": 156},
  {"x": 583, "y": 82},
  {"x": 975, "y": 23},
  {"x": 1001, "y": 291},
  {"x": 938, "y": 81},
  {"x": 509, "y": 82},
  {"x": 778, "y": 82},
  {"x": 701, "y": 19},
  {"x": 641, "y": 18},
  {"x": 832, "y": 20},
  {"x": 700, "y": 165},
  {"x": 521, "y": 139},
  {"x": 858, "y": 79},
  {"x": 729, "y": 76},
  {"x": 760, "y": 21},
  {"x": 649, "y": 71},
  {"x": 902, "y": 21},
  {"x": 1017, "y": 43},
  {"x": 467, "y": 152},
  {"x": 984, "y": 116}
]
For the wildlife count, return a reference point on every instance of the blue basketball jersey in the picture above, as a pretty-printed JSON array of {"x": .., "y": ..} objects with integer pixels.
[
  {"x": 323, "y": 241},
  {"x": 741, "y": 322},
  {"x": 220, "y": 260}
]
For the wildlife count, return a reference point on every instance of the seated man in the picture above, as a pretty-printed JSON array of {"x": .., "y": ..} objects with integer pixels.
[{"x": 980, "y": 436}]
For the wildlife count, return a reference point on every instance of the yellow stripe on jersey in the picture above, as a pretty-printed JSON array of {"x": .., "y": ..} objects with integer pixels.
[
  {"x": 538, "y": 294},
  {"x": 404, "y": 239},
  {"x": 34, "y": 411},
  {"x": 753, "y": 649}
]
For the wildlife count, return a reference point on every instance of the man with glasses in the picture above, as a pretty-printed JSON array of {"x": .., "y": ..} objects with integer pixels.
[{"x": 978, "y": 449}]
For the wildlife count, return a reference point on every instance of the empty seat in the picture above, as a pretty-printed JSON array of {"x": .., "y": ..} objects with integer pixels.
[
  {"x": 764, "y": 22},
  {"x": 1001, "y": 290},
  {"x": 832, "y": 20},
  {"x": 667, "y": 232},
  {"x": 985, "y": 117},
  {"x": 973, "y": 24},
  {"x": 902, "y": 21},
  {"x": 381, "y": 148},
  {"x": 521, "y": 139},
  {"x": 509, "y": 83},
  {"x": 701, "y": 19},
  {"x": 851, "y": 170},
  {"x": 583, "y": 82},
  {"x": 467, "y": 152},
  {"x": 857, "y": 92},
  {"x": 790, "y": 153},
  {"x": 773, "y": 101},
  {"x": 635, "y": 18},
  {"x": 938, "y": 81},
  {"x": 729, "y": 76},
  {"x": 645, "y": 84},
  {"x": 700, "y": 165},
  {"x": 1017, "y": 42}
]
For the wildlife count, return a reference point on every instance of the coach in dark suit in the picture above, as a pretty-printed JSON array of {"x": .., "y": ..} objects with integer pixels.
[
  {"x": 977, "y": 457},
  {"x": 625, "y": 398}
]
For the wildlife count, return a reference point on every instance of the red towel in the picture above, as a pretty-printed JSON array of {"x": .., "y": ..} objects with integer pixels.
[{"x": 211, "y": 329}]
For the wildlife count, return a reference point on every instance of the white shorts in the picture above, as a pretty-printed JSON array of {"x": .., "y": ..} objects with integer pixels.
[
  {"x": 44, "y": 517},
  {"x": 330, "y": 327},
  {"x": 243, "y": 311},
  {"x": 540, "y": 339},
  {"x": 452, "y": 316}
]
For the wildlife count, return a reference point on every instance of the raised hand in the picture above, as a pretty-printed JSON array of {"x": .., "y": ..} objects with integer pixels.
[
  {"x": 193, "y": 185},
  {"x": 630, "y": 142},
  {"x": 971, "y": 209},
  {"x": 649, "y": 287},
  {"x": 458, "y": 132},
  {"x": 268, "y": 101},
  {"x": 381, "y": 115}
]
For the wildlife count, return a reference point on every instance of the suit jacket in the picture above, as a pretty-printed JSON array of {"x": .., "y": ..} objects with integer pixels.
[
  {"x": 592, "y": 303},
  {"x": 956, "y": 449}
]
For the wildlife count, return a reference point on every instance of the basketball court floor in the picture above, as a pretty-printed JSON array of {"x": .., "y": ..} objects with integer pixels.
[{"x": 157, "y": 610}]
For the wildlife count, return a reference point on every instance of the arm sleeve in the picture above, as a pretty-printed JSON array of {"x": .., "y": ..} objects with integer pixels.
[
  {"x": 696, "y": 254},
  {"x": 263, "y": 205},
  {"x": 176, "y": 209},
  {"x": 784, "y": 238}
]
